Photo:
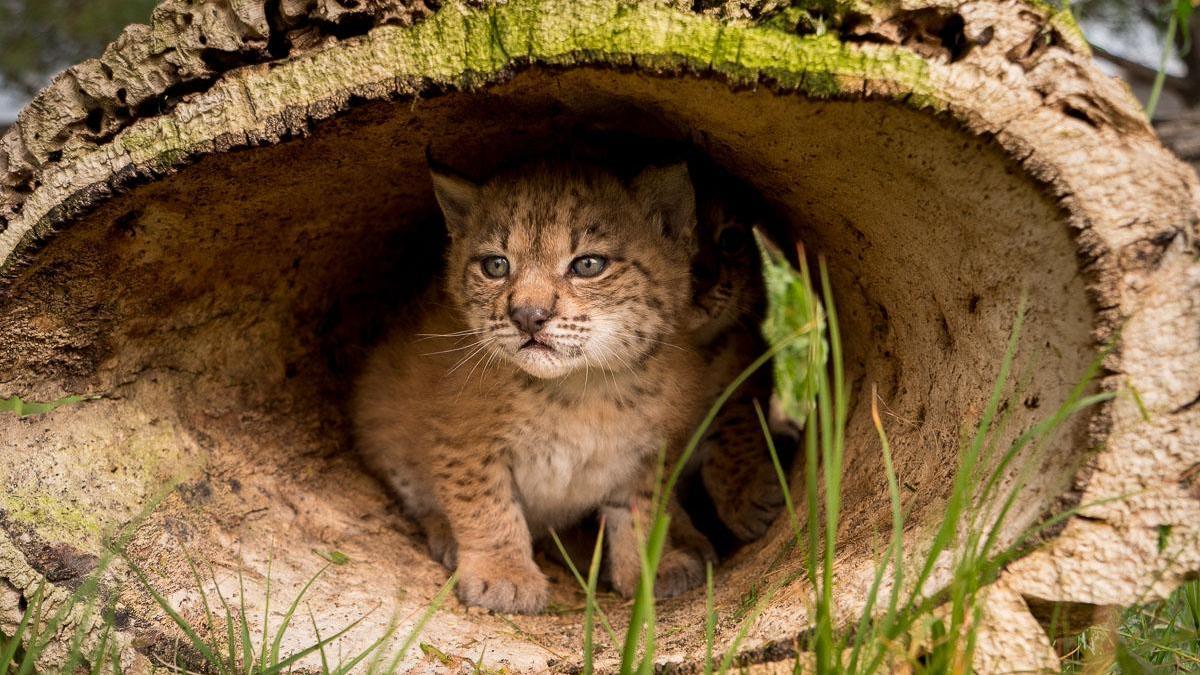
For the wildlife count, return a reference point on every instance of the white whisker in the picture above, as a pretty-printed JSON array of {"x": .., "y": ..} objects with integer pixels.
[
  {"x": 458, "y": 349},
  {"x": 459, "y": 334},
  {"x": 647, "y": 338},
  {"x": 468, "y": 357}
]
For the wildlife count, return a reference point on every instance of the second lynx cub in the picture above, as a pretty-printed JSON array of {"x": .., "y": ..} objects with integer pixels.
[{"x": 540, "y": 381}]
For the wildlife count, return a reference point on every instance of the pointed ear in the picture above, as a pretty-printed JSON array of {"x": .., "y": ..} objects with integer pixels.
[
  {"x": 456, "y": 196},
  {"x": 668, "y": 191}
]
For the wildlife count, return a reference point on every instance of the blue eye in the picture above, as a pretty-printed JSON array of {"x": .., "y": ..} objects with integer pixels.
[
  {"x": 495, "y": 266},
  {"x": 588, "y": 265}
]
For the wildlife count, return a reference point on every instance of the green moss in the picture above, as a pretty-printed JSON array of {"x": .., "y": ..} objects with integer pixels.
[
  {"x": 53, "y": 517},
  {"x": 136, "y": 468},
  {"x": 466, "y": 48},
  {"x": 1064, "y": 21}
]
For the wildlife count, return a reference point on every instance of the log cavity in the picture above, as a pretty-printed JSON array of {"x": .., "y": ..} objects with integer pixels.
[{"x": 219, "y": 313}]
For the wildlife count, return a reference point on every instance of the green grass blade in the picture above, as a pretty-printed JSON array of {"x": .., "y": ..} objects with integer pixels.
[
  {"x": 276, "y": 668},
  {"x": 8, "y": 653},
  {"x": 961, "y": 488},
  {"x": 895, "y": 550},
  {"x": 1191, "y": 600},
  {"x": 100, "y": 654},
  {"x": 1160, "y": 78},
  {"x": 287, "y": 617},
  {"x": 710, "y": 616},
  {"x": 75, "y": 648},
  {"x": 116, "y": 660},
  {"x": 1010, "y": 500},
  {"x": 208, "y": 615},
  {"x": 813, "y": 509},
  {"x": 1043, "y": 428},
  {"x": 747, "y": 623},
  {"x": 893, "y": 481},
  {"x": 415, "y": 633},
  {"x": 784, "y": 485},
  {"x": 702, "y": 429},
  {"x": 374, "y": 650},
  {"x": 266, "y": 620},
  {"x": 590, "y": 607},
  {"x": 651, "y": 555},
  {"x": 244, "y": 626},
  {"x": 373, "y": 666},
  {"x": 230, "y": 636},
  {"x": 317, "y": 633},
  {"x": 36, "y": 630},
  {"x": 583, "y": 583},
  {"x": 87, "y": 590},
  {"x": 200, "y": 645}
]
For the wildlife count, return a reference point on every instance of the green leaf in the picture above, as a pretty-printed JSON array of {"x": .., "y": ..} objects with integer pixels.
[
  {"x": 1183, "y": 15},
  {"x": 22, "y": 408},
  {"x": 333, "y": 557},
  {"x": 436, "y": 654},
  {"x": 794, "y": 314}
]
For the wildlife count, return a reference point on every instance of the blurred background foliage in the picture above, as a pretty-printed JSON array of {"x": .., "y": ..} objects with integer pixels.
[{"x": 41, "y": 37}]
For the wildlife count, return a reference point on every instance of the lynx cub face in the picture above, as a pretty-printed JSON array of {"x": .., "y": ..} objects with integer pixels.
[
  {"x": 728, "y": 288},
  {"x": 563, "y": 268}
]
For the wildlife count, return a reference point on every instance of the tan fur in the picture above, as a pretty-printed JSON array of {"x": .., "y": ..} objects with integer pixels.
[
  {"x": 489, "y": 444},
  {"x": 732, "y": 459}
]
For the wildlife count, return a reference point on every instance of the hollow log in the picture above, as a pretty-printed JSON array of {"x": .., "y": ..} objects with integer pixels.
[{"x": 199, "y": 229}]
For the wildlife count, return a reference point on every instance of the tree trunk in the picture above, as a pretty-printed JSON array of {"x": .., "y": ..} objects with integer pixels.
[{"x": 199, "y": 229}]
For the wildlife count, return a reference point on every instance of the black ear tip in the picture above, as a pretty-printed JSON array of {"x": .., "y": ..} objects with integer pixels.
[{"x": 435, "y": 165}]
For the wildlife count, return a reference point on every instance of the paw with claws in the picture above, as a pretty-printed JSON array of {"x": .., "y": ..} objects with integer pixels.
[{"x": 505, "y": 583}]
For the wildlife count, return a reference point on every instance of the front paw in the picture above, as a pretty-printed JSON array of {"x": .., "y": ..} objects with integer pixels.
[
  {"x": 443, "y": 548},
  {"x": 679, "y": 570},
  {"x": 748, "y": 513},
  {"x": 509, "y": 584}
]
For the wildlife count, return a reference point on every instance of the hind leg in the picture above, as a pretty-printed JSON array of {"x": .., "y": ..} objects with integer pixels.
[{"x": 738, "y": 474}]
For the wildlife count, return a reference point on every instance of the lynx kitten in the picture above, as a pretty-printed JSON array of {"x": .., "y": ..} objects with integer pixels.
[{"x": 540, "y": 381}]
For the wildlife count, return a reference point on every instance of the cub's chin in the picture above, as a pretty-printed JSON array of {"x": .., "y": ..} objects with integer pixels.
[{"x": 543, "y": 362}]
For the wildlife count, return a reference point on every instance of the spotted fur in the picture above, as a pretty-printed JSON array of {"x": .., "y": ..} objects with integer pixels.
[
  {"x": 489, "y": 441},
  {"x": 732, "y": 460}
]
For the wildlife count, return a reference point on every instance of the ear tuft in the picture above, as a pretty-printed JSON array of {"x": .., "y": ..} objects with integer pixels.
[
  {"x": 456, "y": 196},
  {"x": 668, "y": 192}
]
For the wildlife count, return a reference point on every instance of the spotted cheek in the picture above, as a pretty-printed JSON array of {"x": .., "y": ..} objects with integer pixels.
[
  {"x": 572, "y": 327},
  {"x": 494, "y": 318},
  {"x": 482, "y": 305}
]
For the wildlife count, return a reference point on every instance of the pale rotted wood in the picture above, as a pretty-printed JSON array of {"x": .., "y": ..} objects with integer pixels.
[{"x": 191, "y": 401}]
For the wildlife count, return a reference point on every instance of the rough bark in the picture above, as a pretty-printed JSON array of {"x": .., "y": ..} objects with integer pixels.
[{"x": 944, "y": 157}]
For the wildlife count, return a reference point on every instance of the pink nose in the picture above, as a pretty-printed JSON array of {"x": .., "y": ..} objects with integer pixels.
[{"x": 531, "y": 320}]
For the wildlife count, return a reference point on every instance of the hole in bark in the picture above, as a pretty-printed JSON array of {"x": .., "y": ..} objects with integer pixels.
[
  {"x": 352, "y": 24},
  {"x": 278, "y": 44},
  {"x": 928, "y": 31},
  {"x": 1027, "y": 53},
  {"x": 1079, "y": 114},
  {"x": 94, "y": 120},
  {"x": 223, "y": 336}
]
